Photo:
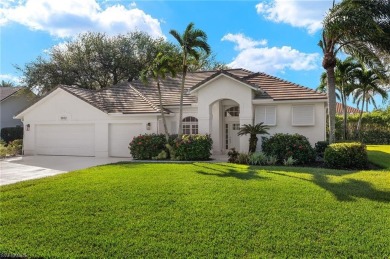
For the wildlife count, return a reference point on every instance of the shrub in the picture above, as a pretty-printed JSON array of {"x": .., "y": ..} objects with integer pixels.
[
  {"x": 243, "y": 158},
  {"x": 233, "y": 155},
  {"x": 258, "y": 158},
  {"x": 346, "y": 156},
  {"x": 320, "y": 147},
  {"x": 192, "y": 147},
  {"x": 12, "y": 149},
  {"x": 12, "y": 133},
  {"x": 3, "y": 150},
  {"x": 147, "y": 146},
  {"x": 285, "y": 145},
  {"x": 272, "y": 160},
  {"x": 289, "y": 161},
  {"x": 15, "y": 147}
]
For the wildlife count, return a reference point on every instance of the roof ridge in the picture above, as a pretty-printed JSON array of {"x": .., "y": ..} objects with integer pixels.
[{"x": 144, "y": 97}]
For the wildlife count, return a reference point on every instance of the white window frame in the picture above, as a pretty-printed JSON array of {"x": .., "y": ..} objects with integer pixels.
[
  {"x": 269, "y": 112},
  {"x": 193, "y": 125},
  {"x": 307, "y": 110}
]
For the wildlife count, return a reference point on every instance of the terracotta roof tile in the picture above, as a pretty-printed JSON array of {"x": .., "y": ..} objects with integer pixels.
[
  {"x": 279, "y": 89},
  {"x": 350, "y": 110}
]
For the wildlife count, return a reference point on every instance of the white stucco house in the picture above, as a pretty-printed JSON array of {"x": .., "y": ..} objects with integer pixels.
[
  {"x": 12, "y": 101},
  {"x": 80, "y": 122}
]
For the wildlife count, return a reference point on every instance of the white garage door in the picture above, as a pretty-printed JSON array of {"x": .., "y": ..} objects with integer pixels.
[
  {"x": 65, "y": 139},
  {"x": 120, "y": 135}
]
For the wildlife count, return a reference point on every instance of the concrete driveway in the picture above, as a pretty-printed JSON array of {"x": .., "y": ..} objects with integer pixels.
[{"x": 18, "y": 169}]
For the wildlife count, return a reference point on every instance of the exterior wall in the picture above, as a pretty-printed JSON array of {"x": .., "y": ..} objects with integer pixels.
[
  {"x": 222, "y": 88},
  {"x": 63, "y": 104},
  {"x": 10, "y": 107},
  {"x": 284, "y": 122}
]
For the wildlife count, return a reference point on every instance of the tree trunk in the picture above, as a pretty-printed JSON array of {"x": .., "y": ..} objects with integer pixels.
[
  {"x": 360, "y": 118},
  {"x": 331, "y": 103},
  {"x": 253, "y": 143},
  {"x": 344, "y": 103},
  {"x": 183, "y": 79},
  {"x": 162, "y": 111}
]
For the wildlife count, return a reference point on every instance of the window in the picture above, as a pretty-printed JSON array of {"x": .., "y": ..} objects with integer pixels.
[
  {"x": 232, "y": 112},
  {"x": 303, "y": 115},
  {"x": 266, "y": 114},
  {"x": 190, "y": 125},
  {"x": 236, "y": 126}
]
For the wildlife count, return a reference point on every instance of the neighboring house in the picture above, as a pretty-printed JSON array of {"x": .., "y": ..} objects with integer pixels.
[
  {"x": 350, "y": 110},
  {"x": 74, "y": 121},
  {"x": 12, "y": 101}
]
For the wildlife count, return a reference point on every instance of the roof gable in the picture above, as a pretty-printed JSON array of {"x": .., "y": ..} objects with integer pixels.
[{"x": 219, "y": 74}]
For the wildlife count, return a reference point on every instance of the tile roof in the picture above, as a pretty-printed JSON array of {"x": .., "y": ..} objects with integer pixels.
[
  {"x": 122, "y": 98},
  {"x": 350, "y": 110},
  {"x": 281, "y": 90},
  {"x": 137, "y": 97},
  {"x": 5, "y": 92}
]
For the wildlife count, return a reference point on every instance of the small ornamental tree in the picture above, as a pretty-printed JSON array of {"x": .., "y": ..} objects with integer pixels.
[{"x": 253, "y": 131}]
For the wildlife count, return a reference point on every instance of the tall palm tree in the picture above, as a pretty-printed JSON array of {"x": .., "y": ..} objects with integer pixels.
[
  {"x": 253, "y": 131},
  {"x": 192, "y": 41},
  {"x": 344, "y": 78},
  {"x": 161, "y": 65},
  {"x": 359, "y": 28},
  {"x": 368, "y": 85}
]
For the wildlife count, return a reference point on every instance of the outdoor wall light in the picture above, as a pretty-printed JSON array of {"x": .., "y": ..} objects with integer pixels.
[
  {"x": 28, "y": 127},
  {"x": 148, "y": 125}
]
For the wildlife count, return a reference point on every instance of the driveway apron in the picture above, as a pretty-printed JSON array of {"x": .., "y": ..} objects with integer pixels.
[{"x": 18, "y": 169}]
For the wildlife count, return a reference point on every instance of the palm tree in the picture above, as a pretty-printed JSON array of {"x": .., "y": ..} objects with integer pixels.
[
  {"x": 344, "y": 78},
  {"x": 6, "y": 84},
  {"x": 359, "y": 28},
  {"x": 253, "y": 131},
  {"x": 192, "y": 41},
  {"x": 161, "y": 65},
  {"x": 368, "y": 85}
]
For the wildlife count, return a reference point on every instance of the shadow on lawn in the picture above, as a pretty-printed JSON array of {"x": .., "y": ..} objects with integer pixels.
[
  {"x": 222, "y": 170},
  {"x": 347, "y": 190},
  {"x": 379, "y": 158}
]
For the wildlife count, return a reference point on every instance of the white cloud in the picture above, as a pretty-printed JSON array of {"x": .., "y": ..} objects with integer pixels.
[
  {"x": 12, "y": 78},
  {"x": 71, "y": 17},
  {"x": 242, "y": 41},
  {"x": 298, "y": 13},
  {"x": 270, "y": 59}
]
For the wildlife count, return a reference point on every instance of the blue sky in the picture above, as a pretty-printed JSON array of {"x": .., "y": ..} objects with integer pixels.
[{"x": 278, "y": 37}]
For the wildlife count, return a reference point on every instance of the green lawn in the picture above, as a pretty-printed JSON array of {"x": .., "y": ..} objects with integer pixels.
[
  {"x": 379, "y": 155},
  {"x": 198, "y": 210}
]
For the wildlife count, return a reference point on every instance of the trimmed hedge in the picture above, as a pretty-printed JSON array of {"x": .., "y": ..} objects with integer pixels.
[
  {"x": 187, "y": 148},
  {"x": 346, "y": 156},
  {"x": 11, "y": 134},
  {"x": 147, "y": 146},
  {"x": 193, "y": 147},
  {"x": 284, "y": 146}
]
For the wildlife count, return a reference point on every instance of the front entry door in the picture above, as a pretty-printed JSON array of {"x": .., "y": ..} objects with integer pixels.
[{"x": 232, "y": 140}]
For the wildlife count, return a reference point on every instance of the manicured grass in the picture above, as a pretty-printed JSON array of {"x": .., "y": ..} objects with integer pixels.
[
  {"x": 199, "y": 210},
  {"x": 379, "y": 155}
]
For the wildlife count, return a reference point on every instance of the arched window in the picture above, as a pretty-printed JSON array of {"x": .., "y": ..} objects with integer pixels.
[
  {"x": 190, "y": 125},
  {"x": 232, "y": 112}
]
